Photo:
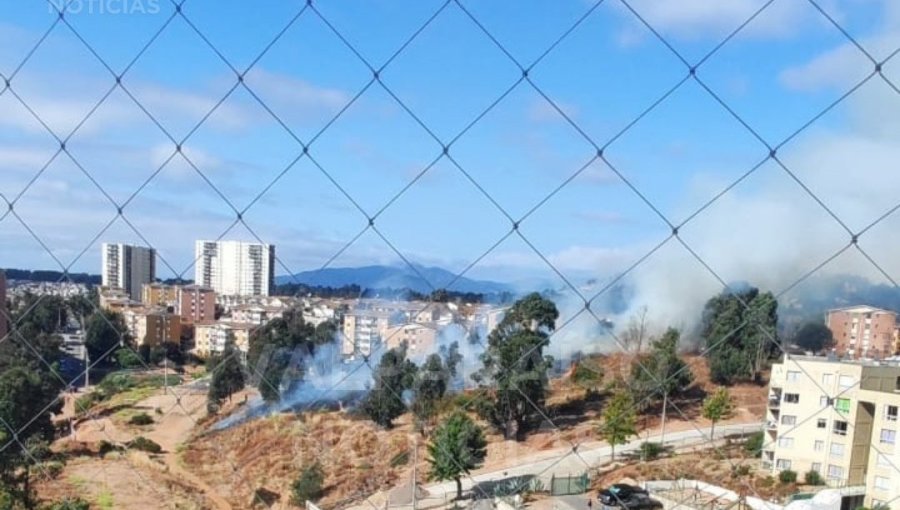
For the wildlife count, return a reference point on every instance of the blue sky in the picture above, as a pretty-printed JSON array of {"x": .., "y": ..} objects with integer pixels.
[{"x": 779, "y": 72}]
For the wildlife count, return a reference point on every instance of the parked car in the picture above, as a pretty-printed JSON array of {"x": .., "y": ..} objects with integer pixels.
[
  {"x": 628, "y": 497},
  {"x": 618, "y": 492}
]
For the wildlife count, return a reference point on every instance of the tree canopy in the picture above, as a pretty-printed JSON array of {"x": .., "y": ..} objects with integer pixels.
[
  {"x": 278, "y": 348},
  {"x": 227, "y": 377},
  {"x": 514, "y": 368},
  {"x": 393, "y": 377},
  {"x": 619, "y": 420},
  {"x": 661, "y": 372},
  {"x": 813, "y": 336},
  {"x": 739, "y": 329},
  {"x": 457, "y": 447},
  {"x": 105, "y": 331},
  {"x": 717, "y": 407}
]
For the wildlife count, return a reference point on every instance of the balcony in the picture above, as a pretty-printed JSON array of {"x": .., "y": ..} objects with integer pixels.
[
  {"x": 772, "y": 425},
  {"x": 774, "y": 403}
]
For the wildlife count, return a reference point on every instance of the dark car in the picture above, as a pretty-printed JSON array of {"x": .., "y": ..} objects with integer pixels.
[
  {"x": 614, "y": 494},
  {"x": 628, "y": 497}
]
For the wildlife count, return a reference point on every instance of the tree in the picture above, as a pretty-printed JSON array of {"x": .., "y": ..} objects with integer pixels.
[
  {"x": 813, "y": 336},
  {"x": 588, "y": 374},
  {"x": 634, "y": 335},
  {"x": 619, "y": 420},
  {"x": 457, "y": 447},
  {"x": 514, "y": 371},
  {"x": 105, "y": 331},
  {"x": 430, "y": 386},
  {"x": 308, "y": 486},
  {"x": 278, "y": 348},
  {"x": 661, "y": 372},
  {"x": 27, "y": 398},
  {"x": 227, "y": 377},
  {"x": 452, "y": 358},
  {"x": 716, "y": 407},
  {"x": 739, "y": 329},
  {"x": 394, "y": 375}
]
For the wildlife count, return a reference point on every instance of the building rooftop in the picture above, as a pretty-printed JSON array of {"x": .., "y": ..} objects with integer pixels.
[
  {"x": 887, "y": 362},
  {"x": 862, "y": 309}
]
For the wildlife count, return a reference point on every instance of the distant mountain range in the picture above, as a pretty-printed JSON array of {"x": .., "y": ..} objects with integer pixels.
[{"x": 422, "y": 279}]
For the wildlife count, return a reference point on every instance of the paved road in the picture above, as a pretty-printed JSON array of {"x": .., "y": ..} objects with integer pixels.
[{"x": 544, "y": 464}]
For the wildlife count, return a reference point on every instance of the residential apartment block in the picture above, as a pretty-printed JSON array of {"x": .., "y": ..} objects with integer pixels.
[
  {"x": 128, "y": 267},
  {"x": 838, "y": 418},
  {"x": 159, "y": 294},
  {"x": 863, "y": 331},
  {"x": 196, "y": 304},
  {"x": 212, "y": 338},
  {"x": 152, "y": 327},
  {"x": 419, "y": 338},
  {"x": 235, "y": 267},
  {"x": 363, "y": 332}
]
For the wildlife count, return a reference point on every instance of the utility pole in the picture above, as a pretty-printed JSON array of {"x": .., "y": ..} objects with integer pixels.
[
  {"x": 415, "y": 462},
  {"x": 87, "y": 361},
  {"x": 662, "y": 439}
]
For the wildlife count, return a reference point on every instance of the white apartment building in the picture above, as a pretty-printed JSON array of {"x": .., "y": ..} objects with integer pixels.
[
  {"x": 363, "y": 332},
  {"x": 235, "y": 268},
  {"x": 838, "y": 418},
  {"x": 128, "y": 267}
]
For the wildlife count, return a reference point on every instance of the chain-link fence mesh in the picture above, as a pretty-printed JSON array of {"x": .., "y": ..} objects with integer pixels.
[{"x": 674, "y": 147}]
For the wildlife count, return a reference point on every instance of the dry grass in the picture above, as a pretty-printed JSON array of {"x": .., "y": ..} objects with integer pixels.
[{"x": 270, "y": 453}]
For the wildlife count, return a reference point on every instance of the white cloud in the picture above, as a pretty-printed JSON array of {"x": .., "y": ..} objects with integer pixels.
[{"x": 704, "y": 19}]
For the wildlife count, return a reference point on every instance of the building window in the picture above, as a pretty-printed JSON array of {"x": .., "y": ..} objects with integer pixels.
[
  {"x": 785, "y": 442},
  {"x": 842, "y": 405},
  {"x": 788, "y": 420},
  {"x": 793, "y": 376},
  {"x": 846, "y": 381},
  {"x": 783, "y": 464},
  {"x": 882, "y": 483},
  {"x": 888, "y": 436},
  {"x": 821, "y": 423},
  {"x": 817, "y": 467},
  {"x": 840, "y": 428},
  {"x": 823, "y": 401},
  {"x": 827, "y": 380},
  {"x": 792, "y": 398},
  {"x": 837, "y": 450},
  {"x": 890, "y": 413},
  {"x": 835, "y": 472},
  {"x": 819, "y": 446}
]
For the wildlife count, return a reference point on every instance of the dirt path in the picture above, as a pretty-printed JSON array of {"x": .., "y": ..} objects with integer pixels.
[{"x": 176, "y": 414}]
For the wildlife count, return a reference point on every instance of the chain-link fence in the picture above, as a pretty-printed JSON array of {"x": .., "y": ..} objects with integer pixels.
[{"x": 629, "y": 159}]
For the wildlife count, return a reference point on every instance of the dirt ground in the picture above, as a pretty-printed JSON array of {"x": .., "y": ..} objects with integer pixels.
[
  {"x": 135, "y": 479},
  {"x": 258, "y": 460}
]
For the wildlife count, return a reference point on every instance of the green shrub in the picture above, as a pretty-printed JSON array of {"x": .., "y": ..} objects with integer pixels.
[
  {"x": 308, "y": 486},
  {"x": 69, "y": 504},
  {"x": 754, "y": 444},
  {"x": 814, "y": 478},
  {"x": 145, "y": 445},
  {"x": 141, "y": 419},
  {"x": 52, "y": 468},
  {"x": 105, "y": 447},
  {"x": 740, "y": 471},
  {"x": 652, "y": 451},
  {"x": 787, "y": 476}
]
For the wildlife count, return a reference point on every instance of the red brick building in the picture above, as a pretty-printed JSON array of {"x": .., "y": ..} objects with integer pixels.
[{"x": 863, "y": 331}]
